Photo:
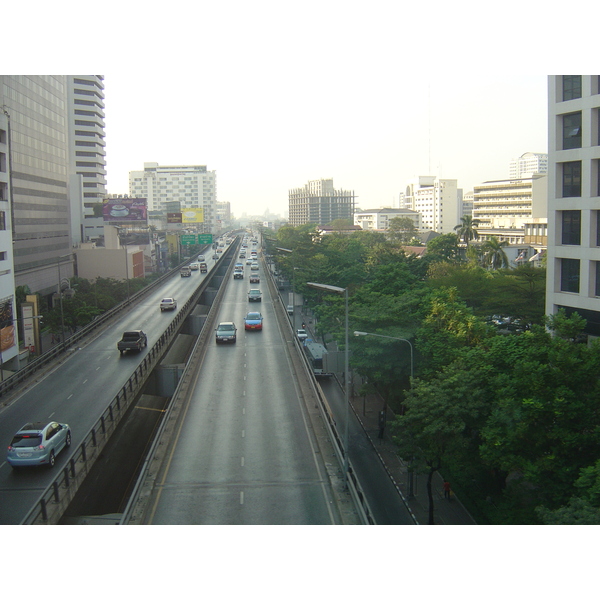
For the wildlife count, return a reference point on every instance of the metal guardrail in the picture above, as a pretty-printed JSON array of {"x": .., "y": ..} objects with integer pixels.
[
  {"x": 52, "y": 503},
  {"x": 61, "y": 348}
]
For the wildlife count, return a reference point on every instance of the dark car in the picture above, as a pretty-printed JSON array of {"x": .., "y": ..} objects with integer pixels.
[{"x": 226, "y": 332}]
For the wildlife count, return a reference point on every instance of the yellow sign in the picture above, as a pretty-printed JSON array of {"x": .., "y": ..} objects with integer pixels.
[{"x": 192, "y": 215}]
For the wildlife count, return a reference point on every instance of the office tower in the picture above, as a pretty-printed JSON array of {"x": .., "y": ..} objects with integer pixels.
[{"x": 317, "y": 202}]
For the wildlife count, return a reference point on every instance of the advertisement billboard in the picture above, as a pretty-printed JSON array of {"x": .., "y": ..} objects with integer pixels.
[
  {"x": 125, "y": 209},
  {"x": 173, "y": 217},
  {"x": 192, "y": 215},
  {"x": 7, "y": 329}
]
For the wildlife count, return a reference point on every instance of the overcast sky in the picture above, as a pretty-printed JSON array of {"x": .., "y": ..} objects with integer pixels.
[{"x": 271, "y": 94}]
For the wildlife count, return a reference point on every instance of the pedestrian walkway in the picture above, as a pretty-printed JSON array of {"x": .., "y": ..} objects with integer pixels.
[{"x": 446, "y": 512}]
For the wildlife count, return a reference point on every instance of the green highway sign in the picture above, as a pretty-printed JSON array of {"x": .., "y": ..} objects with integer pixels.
[
  {"x": 187, "y": 240},
  {"x": 205, "y": 238}
]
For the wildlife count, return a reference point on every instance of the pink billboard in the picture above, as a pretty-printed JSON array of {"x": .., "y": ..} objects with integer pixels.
[{"x": 125, "y": 209}]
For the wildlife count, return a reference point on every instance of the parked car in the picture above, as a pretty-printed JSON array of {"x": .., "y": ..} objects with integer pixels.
[
  {"x": 253, "y": 321},
  {"x": 168, "y": 304},
  {"x": 226, "y": 332},
  {"x": 38, "y": 444}
]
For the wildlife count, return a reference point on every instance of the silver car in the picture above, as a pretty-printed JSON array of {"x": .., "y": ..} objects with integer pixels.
[{"x": 38, "y": 444}]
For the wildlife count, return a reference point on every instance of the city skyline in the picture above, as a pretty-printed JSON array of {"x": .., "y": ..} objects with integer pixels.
[{"x": 271, "y": 97}]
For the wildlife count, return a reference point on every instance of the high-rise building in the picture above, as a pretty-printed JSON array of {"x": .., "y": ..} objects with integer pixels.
[
  {"x": 317, "y": 202},
  {"x": 527, "y": 165},
  {"x": 573, "y": 264},
  {"x": 193, "y": 186},
  {"x": 438, "y": 200},
  {"x": 87, "y": 162},
  {"x": 36, "y": 111}
]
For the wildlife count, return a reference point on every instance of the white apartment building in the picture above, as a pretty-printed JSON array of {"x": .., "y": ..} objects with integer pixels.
[
  {"x": 527, "y": 165},
  {"x": 193, "y": 186},
  {"x": 378, "y": 219},
  {"x": 439, "y": 201},
  {"x": 573, "y": 276},
  {"x": 503, "y": 207}
]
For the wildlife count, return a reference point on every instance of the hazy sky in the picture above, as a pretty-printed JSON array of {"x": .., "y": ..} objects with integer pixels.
[{"x": 271, "y": 94}]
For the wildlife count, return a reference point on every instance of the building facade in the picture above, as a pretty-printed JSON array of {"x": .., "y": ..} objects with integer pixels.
[
  {"x": 503, "y": 207},
  {"x": 527, "y": 165},
  {"x": 36, "y": 109},
  {"x": 439, "y": 201},
  {"x": 379, "y": 219},
  {"x": 319, "y": 203},
  {"x": 193, "y": 186},
  {"x": 573, "y": 264},
  {"x": 87, "y": 155}
]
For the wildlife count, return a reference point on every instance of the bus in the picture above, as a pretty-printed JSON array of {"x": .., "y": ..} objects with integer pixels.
[{"x": 315, "y": 353}]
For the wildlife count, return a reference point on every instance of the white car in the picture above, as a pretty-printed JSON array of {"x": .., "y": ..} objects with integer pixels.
[
  {"x": 168, "y": 304},
  {"x": 194, "y": 266},
  {"x": 301, "y": 334}
]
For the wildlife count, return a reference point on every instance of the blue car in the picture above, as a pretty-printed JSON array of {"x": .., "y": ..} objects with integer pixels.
[
  {"x": 38, "y": 444},
  {"x": 254, "y": 321}
]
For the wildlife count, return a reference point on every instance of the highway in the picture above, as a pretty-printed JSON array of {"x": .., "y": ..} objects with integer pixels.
[
  {"x": 245, "y": 452},
  {"x": 79, "y": 389}
]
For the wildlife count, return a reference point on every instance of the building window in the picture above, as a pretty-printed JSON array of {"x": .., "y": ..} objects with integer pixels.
[
  {"x": 597, "y": 290},
  {"x": 569, "y": 275},
  {"x": 571, "y": 87},
  {"x": 2, "y": 220},
  {"x": 571, "y": 227},
  {"x": 572, "y": 131},
  {"x": 571, "y": 179}
]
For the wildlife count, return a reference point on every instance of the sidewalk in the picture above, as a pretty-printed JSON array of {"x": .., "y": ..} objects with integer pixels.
[{"x": 446, "y": 512}]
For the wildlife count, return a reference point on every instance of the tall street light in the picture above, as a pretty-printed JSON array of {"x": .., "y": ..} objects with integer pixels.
[
  {"x": 412, "y": 374},
  {"x": 412, "y": 363},
  {"x": 339, "y": 290}
]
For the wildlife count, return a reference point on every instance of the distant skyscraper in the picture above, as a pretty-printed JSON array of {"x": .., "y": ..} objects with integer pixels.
[
  {"x": 193, "y": 186},
  {"x": 527, "y": 165},
  {"x": 317, "y": 202},
  {"x": 573, "y": 264}
]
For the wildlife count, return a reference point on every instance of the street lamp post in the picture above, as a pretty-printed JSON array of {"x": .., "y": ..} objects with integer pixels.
[
  {"x": 412, "y": 374},
  {"x": 339, "y": 290}
]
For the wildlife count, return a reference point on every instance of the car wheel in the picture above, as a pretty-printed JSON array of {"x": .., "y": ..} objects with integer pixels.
[
  {"x": 68, "y": 439},
  {"x": 51, "y": 459}
]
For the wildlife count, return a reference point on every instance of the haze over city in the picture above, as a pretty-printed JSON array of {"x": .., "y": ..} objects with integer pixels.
[{"x": 271, "y": 97}]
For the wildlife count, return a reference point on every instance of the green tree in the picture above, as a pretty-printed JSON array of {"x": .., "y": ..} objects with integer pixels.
[
  {"x": 566, "y": 327},
  {"x": 467, "y": 229},
  {"x": 494, "y": 256},
  {"x": 402, "y": 229},
  {"x": 444, "y": 247}
]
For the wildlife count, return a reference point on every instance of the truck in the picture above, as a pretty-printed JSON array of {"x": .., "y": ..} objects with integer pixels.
[
  {"x": 132, "y": 340},
  {"x": 203, "y": 267}
]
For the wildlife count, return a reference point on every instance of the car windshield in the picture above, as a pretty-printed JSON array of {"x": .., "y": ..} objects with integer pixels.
[
  {"x": 226, "y": 327},
  {"x": 26, "y": 441},
  {"x": 253, "y": 316}
]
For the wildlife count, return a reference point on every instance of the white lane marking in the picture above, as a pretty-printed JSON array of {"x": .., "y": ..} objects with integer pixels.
[
  {"x": 84, "y": 381},
  {"x": 242, "y": 464},
  {"x": 241, "y": 497},
  {"x": 243, "y": 433}
]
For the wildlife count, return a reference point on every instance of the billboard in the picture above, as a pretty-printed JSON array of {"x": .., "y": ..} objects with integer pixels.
[
  {"x": 174, "y": 217},
  {"x": 192, "y": 215},
  {"x": 125, "y": 209},
  {"x": 7, "y": 329}
]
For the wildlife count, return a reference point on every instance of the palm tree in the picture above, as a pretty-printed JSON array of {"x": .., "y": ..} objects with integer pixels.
[
  {"x": 493, "y": 255},
  {"x": 467, "y": 229}
]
